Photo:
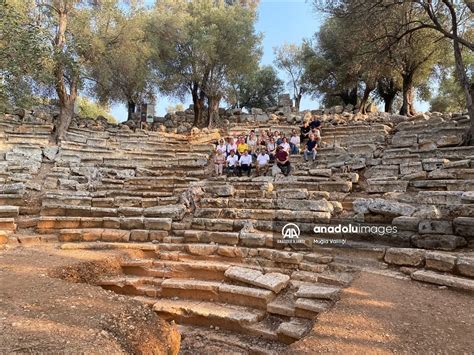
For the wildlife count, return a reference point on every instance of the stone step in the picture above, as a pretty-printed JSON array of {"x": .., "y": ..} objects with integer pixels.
[
  {"x": 318, "y": 292},
  {"x": 276, "y": 214},
  {"x": 7, "y": 224},
  {"x": 9, "y": 211},
  {"x": 225, "y": 316},
  {"x": 271, "y": 281},
  {"x": 48, "y": 224},
  {"x": 443, "y": 279}
]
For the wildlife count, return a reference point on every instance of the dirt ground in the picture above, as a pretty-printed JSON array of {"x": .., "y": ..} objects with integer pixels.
[
  {"x": 40, "y": 313},
  {"x": 384, "y": 315}
]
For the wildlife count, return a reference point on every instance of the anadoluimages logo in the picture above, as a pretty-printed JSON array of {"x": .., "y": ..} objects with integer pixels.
[{"x": 290, "y": 231}]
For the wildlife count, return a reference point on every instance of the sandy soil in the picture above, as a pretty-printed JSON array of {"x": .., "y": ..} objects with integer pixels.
[
  {"x": 40, "y": 313},
  {"x": 384, "y": 315}
]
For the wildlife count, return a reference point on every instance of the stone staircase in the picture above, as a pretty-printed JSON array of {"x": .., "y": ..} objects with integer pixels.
[
  {"x": 215, "y": 254},
  {"x": 259, "y": 292}
]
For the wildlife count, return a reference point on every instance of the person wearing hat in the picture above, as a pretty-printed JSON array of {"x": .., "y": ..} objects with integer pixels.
[{"x": 283, "y": 160}]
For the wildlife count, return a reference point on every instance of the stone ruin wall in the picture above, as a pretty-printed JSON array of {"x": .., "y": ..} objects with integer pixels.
[{"x": 107, "y": 183}]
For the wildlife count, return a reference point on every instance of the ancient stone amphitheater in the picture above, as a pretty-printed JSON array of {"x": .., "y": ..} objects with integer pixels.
[{"x": 211, "y": 249}]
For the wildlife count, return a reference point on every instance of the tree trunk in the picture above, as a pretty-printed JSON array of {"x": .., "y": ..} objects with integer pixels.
[
  {"x": 66, "y": 112},
  {"x": 407, "y": 92},
  {"x": 198, "y": 105},
  {"x": 468, "y": 88},
  {"x": 365, "y": 98},
  {"x": 388, "y": 102},
  {"x": 66, "y": 100},
  {"x": 349, "y": 96},
  {"x": 131, "y": 107},
  {"x": 298, "y": 102},
  {"x": 213, "y": 110}
]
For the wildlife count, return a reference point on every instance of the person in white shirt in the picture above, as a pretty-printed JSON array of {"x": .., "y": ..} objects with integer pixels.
[
  {"x": 221, "y": 147},
  {"x": 262, "y": 162},
  {"x": 231, "y": 145},
  {"x": 285, "y": 145},
  {"x": 231, "y": 163},
  {"x": 245, "y": 163},
  {"x": 295, "y": 142}
]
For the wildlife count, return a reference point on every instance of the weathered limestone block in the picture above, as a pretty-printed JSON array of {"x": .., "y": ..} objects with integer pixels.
[
  {"x": 70, "y": 235},
  {"x": 320, "y": 172},
  {"x": 318, "y": 258},
  {"x": 304, "y": 205},
  {"x": 175, "y": 212},
  {"x": 201, "y": 249},
  {"x": 139, "y": 235},
  {"x": 230, "y": 238},
  {"x": 293, "y": 330},
  {"x": 427, "y": 212},
  {"x": 232, "y": 251},
  {"x": 404, "y": 256},
  {"x": 251, "y": 239},
  {"x": 464, "y": 226},
  {"x": 440, "y": 197},
  {"x": 293, "y": 193},
  {"x": 403, "y": 140},
  {"x": 431, "y": 164},
  {"x": 465, "y": 266},
  {"x": 440, "y": 261},
  {"x": 9, "y": 211},
  {"x": 92, "y": 234},
  {"x": 157, "y": 224},
  {"x": 381, "y": 171},
  {"x": 221, "y": 190},
  {"x": 443, "y": 280},
  {"x": 438, "y": 241},
  {"x": 410, "y": 168},
  {"x": 271, "y": 281},
  {"x": 406, "y": 223},
  {"x": 435, "y": 227},
  {"x": 382, "y": 206},
  {"x": 340, "y": 186},
  {"x": 287, "y": 257},
  {"x": 379, "y": 186},
  {"x": 336, "y": 206},
  {"x": 115, "y": 235},
  {"x": 318, "y": 292},
  {"x": 468, "y": 197},
  {"x": 157, "y": 235}
]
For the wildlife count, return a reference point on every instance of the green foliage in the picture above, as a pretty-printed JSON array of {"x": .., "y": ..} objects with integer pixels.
[
  {"x": 23, "y": 54},
  {"x": 89, "y": 109},
  {"x": 258, "y": 89},
  {"x": 200, "y": 45},
  {"x": 450, "y": 96},
  {"x": 117, "y": 52},
  {"x": 290, "y": 59}
]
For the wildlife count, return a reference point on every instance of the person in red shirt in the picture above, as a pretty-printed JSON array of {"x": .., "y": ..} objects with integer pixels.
[{"x": 283, "y": 160}]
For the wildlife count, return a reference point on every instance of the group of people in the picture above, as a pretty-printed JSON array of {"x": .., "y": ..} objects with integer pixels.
[{"x": 238, "y": 155}]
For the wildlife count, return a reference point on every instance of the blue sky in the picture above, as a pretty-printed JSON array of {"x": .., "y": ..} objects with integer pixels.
[{"x": 279, "y": 21}]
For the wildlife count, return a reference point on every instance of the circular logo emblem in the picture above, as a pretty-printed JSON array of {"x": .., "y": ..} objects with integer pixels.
[{"x": 290, "y": 231}]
